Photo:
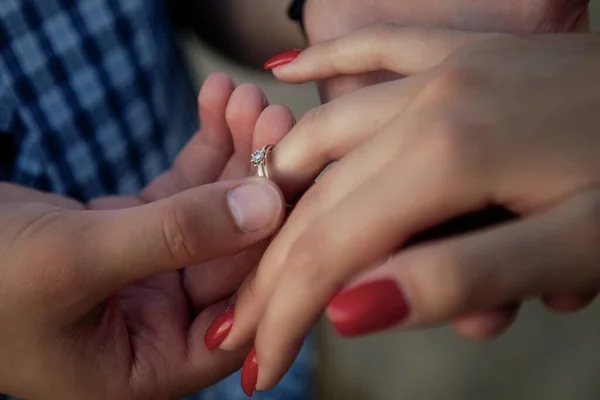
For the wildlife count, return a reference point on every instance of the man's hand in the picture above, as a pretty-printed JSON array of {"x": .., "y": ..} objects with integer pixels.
[
  {"x": 328, "y": 19},
  {"x": 92, "y": 301},
  {"x": 234, "y": 122}
]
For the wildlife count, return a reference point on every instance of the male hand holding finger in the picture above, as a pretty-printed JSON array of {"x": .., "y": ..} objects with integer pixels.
[{"x": 100, "y": 290}]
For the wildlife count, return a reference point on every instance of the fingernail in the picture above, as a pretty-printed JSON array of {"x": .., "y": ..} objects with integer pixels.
[
  {"x": 283, "y": 58},
  {"x": 250, "y": 373},
  {"x": 368, "y": 308},
  {"x": 219, "y": 329},
  {"x": 254, "y": 206}
]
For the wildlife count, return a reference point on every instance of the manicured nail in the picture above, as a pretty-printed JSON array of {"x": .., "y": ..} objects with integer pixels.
[
  {"x": 219, "y": 329},
  {"x": 368, "y": 308},
  {"x": 250, "y": 373},
  {"x": 281, "y": 59},
  {"x": 254, "y": 206}
]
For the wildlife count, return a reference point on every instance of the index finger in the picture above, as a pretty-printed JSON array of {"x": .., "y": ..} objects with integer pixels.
[{"x": 403, "y": 50}]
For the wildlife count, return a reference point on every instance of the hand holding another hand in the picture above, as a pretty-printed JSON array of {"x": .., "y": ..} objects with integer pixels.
[
  {"x": 482, "y": 120},
  {"x": 234, "y": 121},
  {"x": 94, "y": 302}
]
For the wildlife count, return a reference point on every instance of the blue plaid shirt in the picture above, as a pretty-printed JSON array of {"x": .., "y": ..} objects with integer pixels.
[{"x": 95, "y": 99}]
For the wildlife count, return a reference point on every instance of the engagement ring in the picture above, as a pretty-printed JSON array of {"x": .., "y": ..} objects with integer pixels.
[{"x": 260, "y": 160}]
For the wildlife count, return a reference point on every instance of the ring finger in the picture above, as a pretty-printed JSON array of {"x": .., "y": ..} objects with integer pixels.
[{"x": 321, "y": 137}]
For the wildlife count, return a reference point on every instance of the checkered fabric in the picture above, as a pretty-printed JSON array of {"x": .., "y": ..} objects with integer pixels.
[
  {"x": 95, "y": 99},
  {"x": 93, "y": 92}
]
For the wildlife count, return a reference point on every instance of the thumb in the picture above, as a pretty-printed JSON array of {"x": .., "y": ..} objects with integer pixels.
[
  {"x": 189, "y": 228},
  {"x": 387, "y": 47}
]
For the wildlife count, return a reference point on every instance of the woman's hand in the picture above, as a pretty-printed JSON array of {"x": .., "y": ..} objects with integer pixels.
[
  {"x": 483, "y": 120},
  {"x": 329, "y": 19}
]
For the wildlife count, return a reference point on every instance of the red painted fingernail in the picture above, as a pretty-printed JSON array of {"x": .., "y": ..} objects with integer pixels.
[
  {"x": 368, "y": 308},
  {"x": 250, "y": 373},
  {"x": 219, "y": 329},
  {"x": 281, "y": 59}
]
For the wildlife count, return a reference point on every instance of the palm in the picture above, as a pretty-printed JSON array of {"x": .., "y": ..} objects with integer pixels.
[
  {"x": 145, "y": 329},
  {"x": 155, "y": 311},
  {"x": 143, "y": 345},
  {"x": 157, "y": 321}
]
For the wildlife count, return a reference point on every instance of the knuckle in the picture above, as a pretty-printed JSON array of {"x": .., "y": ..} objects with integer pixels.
[
  {"x": 446, "y": 283},
  {"x": 372, "y": 40},
  {"x": 313, "y": 118},
  {"x": 476, "y": 64},
  {"x": 456, "y": 140},
  {"x": 237, "y": 106},
  {"x": 381, "y": 35},
  {"x": 447, "y": 139},
  {"x": 179, "y": 234},
  {"x": 311, "y": 125},
  {"x": 383, "y": 31},
  {"x": 308, "y": 262},
  {"x": 450, "y": 81}
]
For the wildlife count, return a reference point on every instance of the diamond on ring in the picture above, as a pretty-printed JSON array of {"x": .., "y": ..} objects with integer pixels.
[
  {"x": 260, "y": 160},
  {"x": 258, "y": 156}
]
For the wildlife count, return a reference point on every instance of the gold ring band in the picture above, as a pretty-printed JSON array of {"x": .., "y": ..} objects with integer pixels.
[{"x": 260, "y": 160}]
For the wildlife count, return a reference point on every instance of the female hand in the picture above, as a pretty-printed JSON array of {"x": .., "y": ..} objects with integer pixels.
[
  {"x": 482, "y": 120},
  {"x": 329, "y": 19},
  {"x": 510, "y": 16}
]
